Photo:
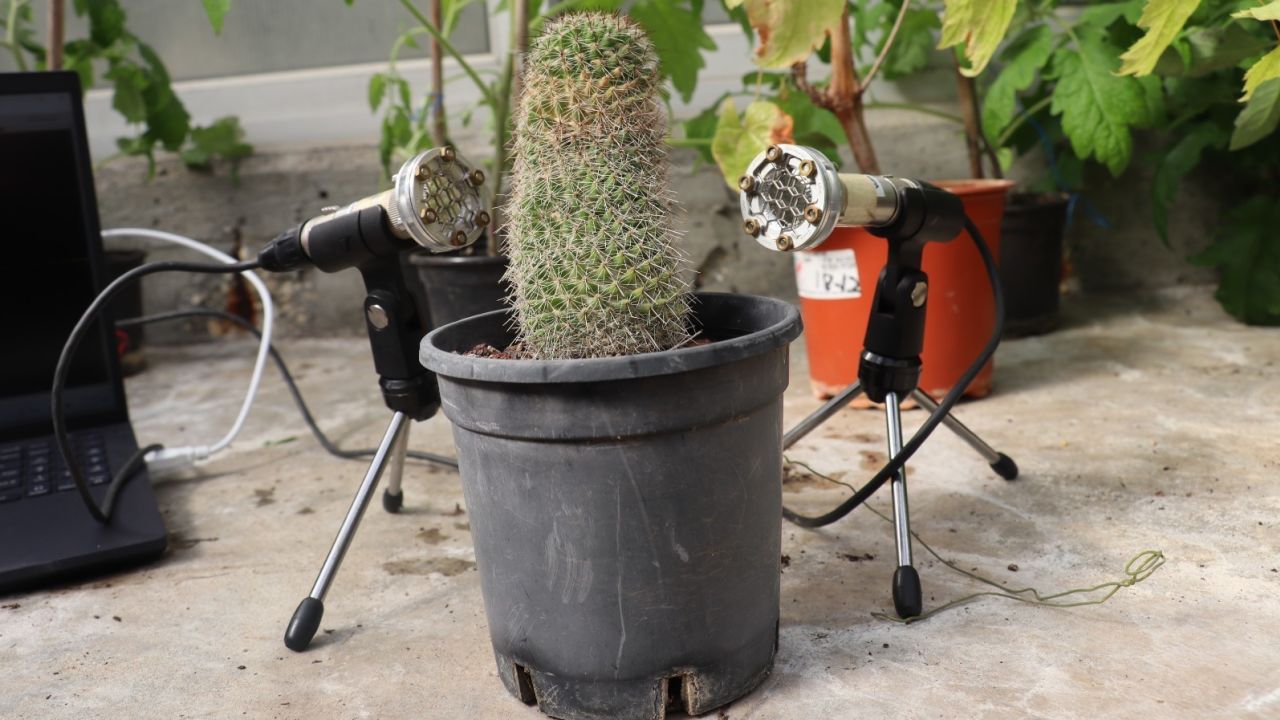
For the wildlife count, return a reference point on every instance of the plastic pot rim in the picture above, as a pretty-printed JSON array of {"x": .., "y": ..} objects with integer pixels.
[{"x": 441, "y": 350}]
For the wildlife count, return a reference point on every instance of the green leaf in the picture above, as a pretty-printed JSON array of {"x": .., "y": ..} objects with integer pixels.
[
  {"x": 913, "y": 45},
  {"x": 1259, "y": 117},
  {"x": 702, "y": 127},
  {"x": 1209, "y": 49},
  {"x": 1268, "y": 68},
  {"x": 1174, "y": 164},
  {"x": 739, "y": 139},
  {"x": 130, "y": 85},
  {"x": 377, "y": 89},
  {"x": 106, "y": 22},
  {"x": 789, "y": 32},
  {"x": 1247, "y": 255},
  {"x": 1270, "y": 11},
  {"x": 1101, "y": 17},
  {"x": 678, "y": 39},
  {"x": 449, "y": 12},
  {"x": 979, "y": 25},
  {"x": 1097, "y": 106},
  {"x": 216, "y": 10},
  {"x": 1024, "y": 59},
  {"x": 813, "y": 126},
  {"x": 1162, "y": 20}
]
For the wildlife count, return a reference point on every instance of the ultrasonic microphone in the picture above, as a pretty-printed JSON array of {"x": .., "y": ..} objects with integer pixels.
[
  {"x": 435, "y": 203},
  {"x": 793, "y": 198}
]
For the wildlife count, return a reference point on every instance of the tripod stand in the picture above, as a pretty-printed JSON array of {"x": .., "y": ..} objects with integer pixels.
[
  {"x": 889, "y": 366},
  {"x": 409, "y": 391}
]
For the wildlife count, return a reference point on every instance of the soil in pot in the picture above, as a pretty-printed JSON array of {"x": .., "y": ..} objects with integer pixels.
[
  {"x": 837, "y": 283},
  {"x": 626, "y": 510},
  {"x": 1031, "y": 251}
]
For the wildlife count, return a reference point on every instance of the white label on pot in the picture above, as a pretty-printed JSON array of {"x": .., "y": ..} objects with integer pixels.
[{"x": 829, "y": 275}]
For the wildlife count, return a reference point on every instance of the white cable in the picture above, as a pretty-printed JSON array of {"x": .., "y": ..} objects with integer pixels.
[{"x": 167, "y": 458}]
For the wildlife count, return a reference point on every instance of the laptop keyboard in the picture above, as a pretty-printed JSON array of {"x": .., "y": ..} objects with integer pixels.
[{"x": 36, "y": 468}]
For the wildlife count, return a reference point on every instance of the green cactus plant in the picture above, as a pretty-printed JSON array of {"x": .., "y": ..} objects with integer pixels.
[{"x": 594, "y": 266}]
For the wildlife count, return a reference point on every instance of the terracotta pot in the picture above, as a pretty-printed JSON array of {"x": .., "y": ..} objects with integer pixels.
[{"x": 837, "y": 283}]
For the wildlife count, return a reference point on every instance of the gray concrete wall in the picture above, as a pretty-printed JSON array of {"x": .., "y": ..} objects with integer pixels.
[{"x": 282, "y": 186}]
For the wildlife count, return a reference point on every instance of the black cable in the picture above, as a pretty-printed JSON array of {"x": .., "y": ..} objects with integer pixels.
[
  {"x": 895, "y": 464},
  {"x": 289, "y": 381},
  {"x": 103, "y": 514}
]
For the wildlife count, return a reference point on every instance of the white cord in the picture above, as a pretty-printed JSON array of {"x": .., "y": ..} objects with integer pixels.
[{"x": 168, "y": 458}]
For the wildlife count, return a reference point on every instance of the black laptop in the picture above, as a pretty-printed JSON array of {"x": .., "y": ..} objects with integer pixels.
[{"x": 51, "y": 268}]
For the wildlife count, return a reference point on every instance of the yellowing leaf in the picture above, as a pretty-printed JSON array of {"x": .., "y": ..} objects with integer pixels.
[
  {"x": 731, "y": 4},
  {"x": 1270, "y": 11},
  {"x": 789, "y": 30},
  {"x": 1163, "y": 20},
  {"x": 980, "y": 25},
  {"x": 1268, "y": 68},
  {"x": 739, "y": 139}
]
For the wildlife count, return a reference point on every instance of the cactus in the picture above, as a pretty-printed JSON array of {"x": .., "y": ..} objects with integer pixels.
[{"x": 593, "y": 263}]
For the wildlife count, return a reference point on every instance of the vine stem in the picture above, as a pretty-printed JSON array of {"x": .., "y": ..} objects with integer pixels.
[
  {"x": 1022, "y": 118},
  {"x": 11, "y": 34},
  {"x": 888, "y": 44},
  {"x": 449, "y": 48}
]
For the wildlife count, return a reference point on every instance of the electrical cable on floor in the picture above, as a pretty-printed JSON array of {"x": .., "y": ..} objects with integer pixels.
[
  {"x": 896, "y": 463},
  {"x": 289, "y": 381},
  {"x": 1139, "y": 568},
  {"x": 103, "y": 514},
  {"x": 181, "y": 456}
]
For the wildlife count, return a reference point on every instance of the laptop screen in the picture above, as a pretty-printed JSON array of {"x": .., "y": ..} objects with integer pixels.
[{"x": 48, "y": 275}]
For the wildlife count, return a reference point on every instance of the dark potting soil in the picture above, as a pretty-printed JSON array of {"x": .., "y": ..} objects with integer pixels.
[{"x": 516, "y": 352}]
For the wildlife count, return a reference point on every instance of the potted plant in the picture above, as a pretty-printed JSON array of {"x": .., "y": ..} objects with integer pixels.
[
  {"x": 621, "y": 480},
  {"x": 836, "y": 313},
  {"x": 141, "y": 90},
  {"x": 463, "y": 283}
]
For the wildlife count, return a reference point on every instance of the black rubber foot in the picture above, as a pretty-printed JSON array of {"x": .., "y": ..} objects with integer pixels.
[
  {"x": 303, "y": 624},
  {"x": 392, "y": 503},
  {"x": 1005, "y": 467},
  {"x": 907, "y": 595}
]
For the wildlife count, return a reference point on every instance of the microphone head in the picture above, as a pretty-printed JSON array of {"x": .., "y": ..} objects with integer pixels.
[
  {"x": 791, "y": 198},
  {"x": 437, "y": 200}
]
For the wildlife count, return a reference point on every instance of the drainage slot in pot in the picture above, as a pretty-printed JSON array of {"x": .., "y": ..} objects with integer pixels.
[
  {"x": 676, "y": 694},
  {"x": 525, "y": 684}
]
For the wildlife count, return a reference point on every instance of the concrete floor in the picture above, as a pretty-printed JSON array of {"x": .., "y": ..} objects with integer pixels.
[{"x": 1141, "y": 424}]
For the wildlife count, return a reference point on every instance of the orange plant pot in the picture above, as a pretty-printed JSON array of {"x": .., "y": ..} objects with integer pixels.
[{"x": 837, "y": 283}]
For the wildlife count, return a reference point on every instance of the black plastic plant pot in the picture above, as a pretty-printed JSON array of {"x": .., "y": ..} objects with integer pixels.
[
  {"x": 626, "y": 511},
  {"x": 458, "y": 286},
  {"x": 1031, "y": 244}
]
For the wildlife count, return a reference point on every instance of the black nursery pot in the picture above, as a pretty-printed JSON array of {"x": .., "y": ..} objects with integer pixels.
[
  {"x": 460, "y": 286},
  {"x": 1031, "y": 241},
  {"x": 626, "y": 511}
]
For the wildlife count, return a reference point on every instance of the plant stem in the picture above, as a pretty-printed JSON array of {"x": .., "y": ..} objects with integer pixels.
[
  {"x": 439, "y": 124},
  {"x": 57, "y": 23},
  {"x": 967, "y": 96},
  {"x": 923, "y": 109},
  {"x": 1022, "y": 118},
  {"x": 11, "y": 34},
  {"x": 449, "y": 48},
  {"x": 888, "y": 43},
  {"x": 844, "y": 96}
]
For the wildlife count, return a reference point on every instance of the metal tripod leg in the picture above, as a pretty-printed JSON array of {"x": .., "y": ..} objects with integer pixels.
[
  {"x": 306, "y": 619},
  {"x": 393, "y": 496},
  {"x": 1004, "y": 465},
  {"x": 907, "y": 594},
  {"x": 819, "y": 416}
]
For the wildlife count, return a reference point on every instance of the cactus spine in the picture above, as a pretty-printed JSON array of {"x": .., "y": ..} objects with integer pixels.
[{"x": 593, "y": 263}]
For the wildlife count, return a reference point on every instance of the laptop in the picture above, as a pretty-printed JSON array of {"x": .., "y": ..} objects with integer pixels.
[{"x": 51, "y": 268}]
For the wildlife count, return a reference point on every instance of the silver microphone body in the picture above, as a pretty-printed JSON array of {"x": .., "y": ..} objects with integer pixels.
[{"x": 792, "y": 198}]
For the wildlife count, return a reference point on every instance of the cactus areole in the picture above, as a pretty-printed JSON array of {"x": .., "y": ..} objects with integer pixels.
[{"x": 593, "y": 264}]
